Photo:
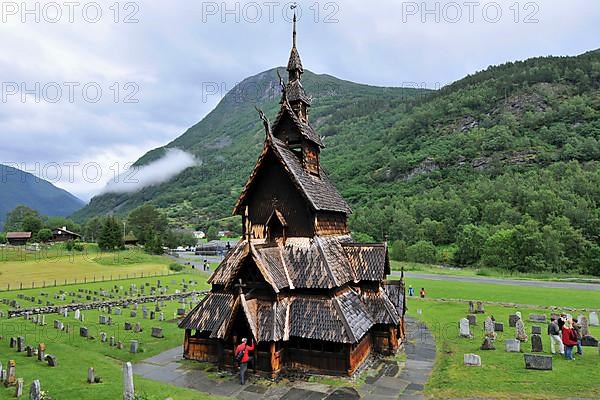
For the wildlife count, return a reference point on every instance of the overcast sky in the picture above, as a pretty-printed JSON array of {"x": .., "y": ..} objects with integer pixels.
[{"x": 153, "y": 71}]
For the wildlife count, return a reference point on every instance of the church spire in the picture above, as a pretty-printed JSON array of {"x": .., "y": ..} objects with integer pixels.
[{"x": 294, "y": 67}]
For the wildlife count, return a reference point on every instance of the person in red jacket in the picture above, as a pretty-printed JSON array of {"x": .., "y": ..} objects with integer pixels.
[
  {"x": 245, "y": 358},
  {"x": 569, "y": 338}
]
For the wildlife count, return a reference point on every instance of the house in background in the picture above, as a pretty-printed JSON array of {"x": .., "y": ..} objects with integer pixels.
[
  {"x": 64, "y": 235},
  {"x": 199, "y": 234},
  {"x": 18, "y": 238}
]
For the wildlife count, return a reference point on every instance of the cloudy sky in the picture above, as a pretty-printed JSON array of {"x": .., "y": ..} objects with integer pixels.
[{"x": 90, "y": 87}]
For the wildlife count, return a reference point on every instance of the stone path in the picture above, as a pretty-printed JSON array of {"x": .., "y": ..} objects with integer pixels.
[
  {"x": 499, "y": 281},
  {"x": 390, "y": 383}
]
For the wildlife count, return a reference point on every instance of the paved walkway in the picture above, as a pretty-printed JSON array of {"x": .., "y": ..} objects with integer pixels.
[
  {"x": 500, "y": 281},
  {"x": 392, "y": 380}
]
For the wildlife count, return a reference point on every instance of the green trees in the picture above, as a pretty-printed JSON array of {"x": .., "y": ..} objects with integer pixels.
[
  {"x": 23, "y": 219},
  {"x": 111, "y": 236},
  {"x": 44, "y": 235},
  {"x": 212, "y": 234},
  {"x": 2, "y": 238},
  {"x": 422, "y": 252},
  {"x": 145, "y": 222}
]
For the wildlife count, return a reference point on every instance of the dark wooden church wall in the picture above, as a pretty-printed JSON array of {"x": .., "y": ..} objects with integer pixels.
[
  {"x": 273, "y": 183},
  {"x": 331, "y": 223}
]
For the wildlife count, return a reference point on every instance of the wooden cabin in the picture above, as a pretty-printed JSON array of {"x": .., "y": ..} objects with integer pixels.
[
  {"x": 18, "y": 238},
  {"x": 310, "y": 297},
  {"x": 64, "y": 235}
]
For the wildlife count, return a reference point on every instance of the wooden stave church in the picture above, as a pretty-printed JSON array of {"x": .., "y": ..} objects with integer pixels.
[{"x": 310, "y": 297}]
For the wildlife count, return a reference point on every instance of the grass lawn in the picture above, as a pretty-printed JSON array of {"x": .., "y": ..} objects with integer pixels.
[
  {"x": 503, "y": 375},
  {"x": 75, "y": 354},
  {"x": 505, "y": 293},
  {"x": 44, "y": 267}
]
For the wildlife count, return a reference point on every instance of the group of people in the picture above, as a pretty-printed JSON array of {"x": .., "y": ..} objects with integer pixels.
[{"x": 565, "y": 333}]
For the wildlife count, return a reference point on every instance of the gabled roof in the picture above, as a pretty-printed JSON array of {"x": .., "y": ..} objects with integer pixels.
[
  {"x": 295, "y": 91},
  {"x": 344, "y": 317},
  {"x": 320, "y": 193},
  {"x": 60, "y": 231},
  {"x": 18, "y": 235},
  {"x": 305, "y": 129},
  {"x": 322, "y": 262}
]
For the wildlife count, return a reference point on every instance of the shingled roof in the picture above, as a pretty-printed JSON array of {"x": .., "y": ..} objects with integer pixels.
[
  {"x": 322, "y": 262},
  {"x": 320, "y": 193},
  {"x": 305, "y": 129},
  {"x": 212, "y": 314}
]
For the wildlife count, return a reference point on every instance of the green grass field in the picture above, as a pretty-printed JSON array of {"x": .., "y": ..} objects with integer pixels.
[
  {"x": 47, "y": 266},
  {"x": 502, "y": 375}
]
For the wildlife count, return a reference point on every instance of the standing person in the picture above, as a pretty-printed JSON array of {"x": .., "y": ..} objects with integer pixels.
[
  {"x": 569, "y": 338},
  {"x": 422, "y": 293},
  {"x": 241, "y": 355},
  {"x": 577, "y": 329},
  {"x": 411, "y": 291},
  {"x": 554, "y": 333}
]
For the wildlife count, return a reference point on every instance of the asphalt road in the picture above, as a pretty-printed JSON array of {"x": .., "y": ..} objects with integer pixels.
[{"x": 498, "y": 281}]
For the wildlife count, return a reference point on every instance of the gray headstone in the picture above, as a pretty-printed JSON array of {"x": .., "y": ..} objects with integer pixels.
[
  {"x": 536, "y": 344},
  {"x": 133, "y": 346},
  {"x": 91, "y": 377},
  {"x": 157, "y": 333},
  {"x": 594, "y": 319},
  {"x": 538, "y": 362},
  {"x": 585, "y": 325},
  {"x": 471, "y": 307},
  {"x": 19, "y": 389},
  {"x": 498, "y": 327},
  {"x": 472, "y": 360},
  {"x": 488, "y": 344},
  {"x": 111, "y": 341},
  {"x": 35, "y": 391},
  {"x": 41, "y": 352},
  {"x": 103, "y": 337},
  {"x": 589, "y": 341},
  {"x": 488, "y": 328},
  {"x": 52, "y": 361},
  {"x": 536, "y": 330},
  {"x": 480, "y": 308},
  {"x": 512, "y": 320},
  {"x": 537, "y": 318},
  {"x": 512, "y": 345},
  {"x": 83, "y": 331},
  {"x": 472, "y": 319},
  {"x": 137, "y": 328},
  {"x": 128, "y": 389},
  {"x": 464, "y": 329}
]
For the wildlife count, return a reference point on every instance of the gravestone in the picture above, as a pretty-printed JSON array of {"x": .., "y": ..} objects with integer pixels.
[
  {"x": 35, "y": 391},
  {"x": 488, "y": 328},
  {"x": 536, "y": 344},
  {"x": 117, "y": 311},
  {"x": 52, "y": 361},
  {"x": 120, "y": 345},
  {"x": 133, "y": 314},
  {"x": 152, "y": 315},
  {"x": 128, "y": 389},
  {"x": 133, "y": 346},
  {"x": 541, "y": 318},
  {"x": 585, "y": 325},
  {"x": 111, "y": 341},
  {"x": 536, "y": 330},
  {"x": 521, "y": 335},
  {"x": 157, "y": 333},
  {"x": 480, "y": 308},
  {"x": 512, "y": 320},
  {"x": 518, "y": 314},
  {"x": 464, "y": 330},
  {"x": 472, "y": 319},
  {"x": 498, "y": 327},
  {"x": 102, "y": 319},
  {"x": 83, "y": 332},
  {"x": 137, "y": 328},
  {"x": 512, "y": 345},
  {"x": 472, "y": 360},
  {"x": 20, "y": 344},
  {"x": 19, "y": 390},
  {"x": 538, "y": 362},
  {"x": 30, "y": 351},
  {"x": 103, "y": 337},
  {"x": 181, "y": 311},
  {"x": 594, "y": 319},
  {"x": 161, "y": 316},
  {"x": 488, "y": 344},
  {"x": 11, "y": 373},
  {"x": 589, "y": 341},
  {"x": 41, "y": 351},
  {"x": 127, "y": 326},
  {"x": 471, "y": 307},
  {"x": 12, "y": 343},
  {"x": 91, "y": 377},
  {"x": 77, "y": 314}
]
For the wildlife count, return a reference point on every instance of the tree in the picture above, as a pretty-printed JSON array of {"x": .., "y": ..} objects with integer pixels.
[
  {"x": 111, "y": 237},
  {"x": 422, "y": 252},
  {"x": 3, "y": 238},
  {"x": 154, "y": 245},
  {"x": 16, "y": 218},
  {"x": 31, "y": 224},
  {"x": 92, "y": 229},
  {"x": 470, "y": 243},
  {"x": 398, "y": 252},
  {"x": 44, "y": 235},
  {"x": 146, "y": 221},
  {"x": 212, "y": 234}
]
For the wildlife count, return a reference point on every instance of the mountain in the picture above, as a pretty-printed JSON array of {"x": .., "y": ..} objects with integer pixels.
[
  {"x": 22, "y": 188},
  {"x": 230, "y": 138},
  {"x": 500, "y": 168}
]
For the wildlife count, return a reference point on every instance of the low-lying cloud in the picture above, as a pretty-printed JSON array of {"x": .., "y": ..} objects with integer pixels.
[{"x": 162, "y": 170}]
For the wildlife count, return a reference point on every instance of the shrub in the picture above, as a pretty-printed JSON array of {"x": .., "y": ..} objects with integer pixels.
[
  {"x": 398, "y": 252},
  {"x": 423, "y": 252},
  {"x": 176, "y": 267}
]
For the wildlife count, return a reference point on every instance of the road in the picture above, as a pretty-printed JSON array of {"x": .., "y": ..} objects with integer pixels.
[{"x": 498, "y": 281}]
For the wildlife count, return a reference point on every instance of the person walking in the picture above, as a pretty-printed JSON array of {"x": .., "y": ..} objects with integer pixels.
[
  {"x": 422, "y": 293},
  {"x": 569, "y": 338},
  {"x": 554, "y": 333},
  {"x": 242, "y": 357},
  {"x": 411, "y": 291},
  {"x": 577, "y": 328}
]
